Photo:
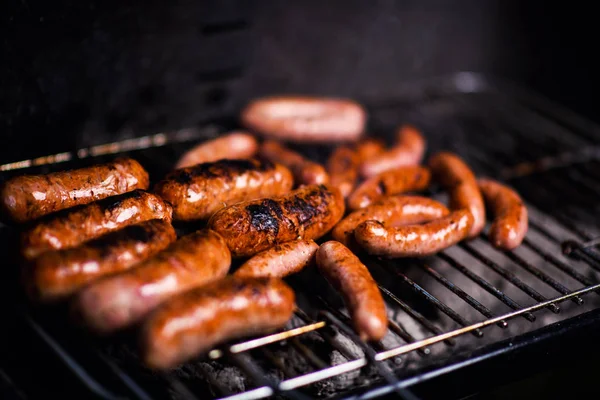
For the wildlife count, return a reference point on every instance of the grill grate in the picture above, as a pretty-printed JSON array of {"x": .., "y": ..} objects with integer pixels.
[{"x": 434, "y": 302}]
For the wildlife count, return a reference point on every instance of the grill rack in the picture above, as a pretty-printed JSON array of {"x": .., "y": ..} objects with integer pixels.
[{"x": 562, "y": 228}]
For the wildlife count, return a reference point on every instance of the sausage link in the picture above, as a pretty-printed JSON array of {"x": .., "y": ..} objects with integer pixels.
[
  {"x": 120, "y": 300},
  {"x": 414, "y": 240},
  {"x": 197, "y": 192},
  {"x": 457, "y": 178},
  {"x": 391, "y": 211},
  {"x": 369, "y": 148},
  {"x": 280, "y": 260},
  {"x": 306, "y": 172},
  {"x": 254, "y": 226},
  {"x": 409, "y": 150},
  {"x": 510, "y": 214},
  {"x": 71, "y": 227},
  {"x": 234, "y": 145},
  {"x": 344, "y": 271},
  {"x": 195, "y": 321},
  {"x": 396, "y": 181},
  {"x": 342, "y": 167},
  {"x": 57, "y": 274},
  {"x": 306, "y": 119},
  {"x": 28, "y": 197}
]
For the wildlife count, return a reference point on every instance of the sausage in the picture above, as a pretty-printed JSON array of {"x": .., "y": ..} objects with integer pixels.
[
  {"x": 391, "y": 211},
  {"x": 369, "y": 148},
  {"x": 306, "y": 172},
  {"x": 457, "y": 178},
  {"x": 28, "y": 197},
  {"x": 510, "y": 223},
  {"x": 342, "y": 167},
  {"x": 281, "y": 260},
  {"x": 120, "y": 300},
  {"x": 197, "y": 192},
  {"x": 195, "y": 321},
  {"x": 71, "y": 227},
  {"x": 306, "y": 119},
  {"x": 409, "y": 150},
  {"x": 396, "y": 181},
  {"x": 255, "y": 226},
  {"x": 234, "y": 145},
  {"x": 344, "y": 271},
  {"x": 414, "y": 240},
  {"x": 57, "y": 274}
]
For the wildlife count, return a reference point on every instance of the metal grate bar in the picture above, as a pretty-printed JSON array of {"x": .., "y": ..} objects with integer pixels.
[{"x": 399, "y": 330}]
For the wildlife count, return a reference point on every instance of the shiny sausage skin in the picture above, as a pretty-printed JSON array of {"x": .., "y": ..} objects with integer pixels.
[
  {"x": 396, "y": 181},
  {"x": 197, "y": 192},
  {"x": 510, "y": 223},
  {"x": 414, "y": 240},
  {"x": 280, "y": 261},
  {"x": 457, "y": 178},
  {"x": 342, "y": 167},
  {"x": 70, "y": 228},
  {"x": 195, "y": 321},
  {"x": 306, "y": 172},
  {"x": 344, "y": 271},
  {"x": 255, "y": 226},
  {"x": 123, "y": 299},
  {"x": 306, "y": 119},
  {"x": 391, "y": 211},
  {"x": 369, "y": 148},
  {"x": 234, "y": 145},
  {"x": 57, "y": 274},
  {"x": 409, "y": 150},
  {"x": 28, "y": 197}
]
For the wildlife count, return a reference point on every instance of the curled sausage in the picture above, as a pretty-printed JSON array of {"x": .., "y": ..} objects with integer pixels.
[
  {"x": 234, "y": 145},
  {"x": 369, "y": 148},
  {"x": 344, "y": 271},
  {"x": 510, "y": 223},
  {"x": 281, "y": 260},
  {"x": 342, "y": 167},
  {"x": 306, "y": 172}
]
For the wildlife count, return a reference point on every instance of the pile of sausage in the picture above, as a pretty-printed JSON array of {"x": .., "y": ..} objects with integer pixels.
[{"x": 99, "y": 238}]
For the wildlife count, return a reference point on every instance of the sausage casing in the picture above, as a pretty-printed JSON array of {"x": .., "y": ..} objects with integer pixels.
[
  {"x": 234, "y": 145},
  {"x": 305, "y": 171},
  {"x": 280, "y": 260},
  {"x": 369, "y": 148},
  {"x": 342, "y": 167}
]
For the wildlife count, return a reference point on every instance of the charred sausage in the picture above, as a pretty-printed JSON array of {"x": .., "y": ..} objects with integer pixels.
[
  {"x": 197, "y": 192},
  {"x": 281, "y": 260},
  {"x": 238, "y": 144},
  {"x": 342, "y": 167},
  {"x": 306, "y": 172},
  {"x": 28, "y": 197}
]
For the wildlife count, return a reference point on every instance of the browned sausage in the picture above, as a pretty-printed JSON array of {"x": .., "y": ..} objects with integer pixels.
[
  {"x": 409, "y": 150},
  {"x": 306, "y": 119},
  {"x": 414, "y": 240},
  {"x": 70, "y": 228},
  {"x": 120, "y": 300},
  {"x": 195, "y": 321},
  {"x": 510, "y": 214},
  {"x": 342, "y": 167},
  {"x": 234, "y": 145},
  {"x": 255, "y": 226},
  {"x": 281, "y": 260},
  {"x": 458, "y": 179},
  {"x": 28, "y": 197},
  {"x": 369, "y": 148},
  {"x": 344, "y": 271},
  {"x": 391, "y": 211},
  {"x": 396, "y": 181},
  {"x": 58, "y": 274},
  {"x": 306, "y": 172},
  {"x": 197, "y": 192}
]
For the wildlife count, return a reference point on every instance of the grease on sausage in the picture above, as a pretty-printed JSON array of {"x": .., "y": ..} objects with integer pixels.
[
  {"x": 342, "y": 167},
  {"x": 305, "y": 171},
  {"x": 234, "y": 145},
  {"x": 281, "y": 260}
]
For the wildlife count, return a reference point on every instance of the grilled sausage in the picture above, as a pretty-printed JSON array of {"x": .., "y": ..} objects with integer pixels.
[
  {"x": 70, "y": 228},
  {"x": 120, "y": 300},
  {"x": 237, "y": 144},
  {"x": 414, "y": 240},
  {"x": 391, "y": 211},
  {"x": 396, "y": 181},
  {"x": 306, "y": 172},
  {"x": 409, "y": 150},
  {"x": 197, "y": 192},
  {"x": 57, "y": 274},
  {"x": 28, "y": 197},
  {"x": 306, "y": 119},
  {"x": 342, "y": 167},
  {"x": 369, "y": 148},
  {"x": 344, "y": 271},
  {"x": 510, "y": 214},
  {"x": 458, "y": 179},
  {"x": 254, "y": 226},
  {"x": 195, "y": 321},
  {"x": 281, "y": 260}
]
